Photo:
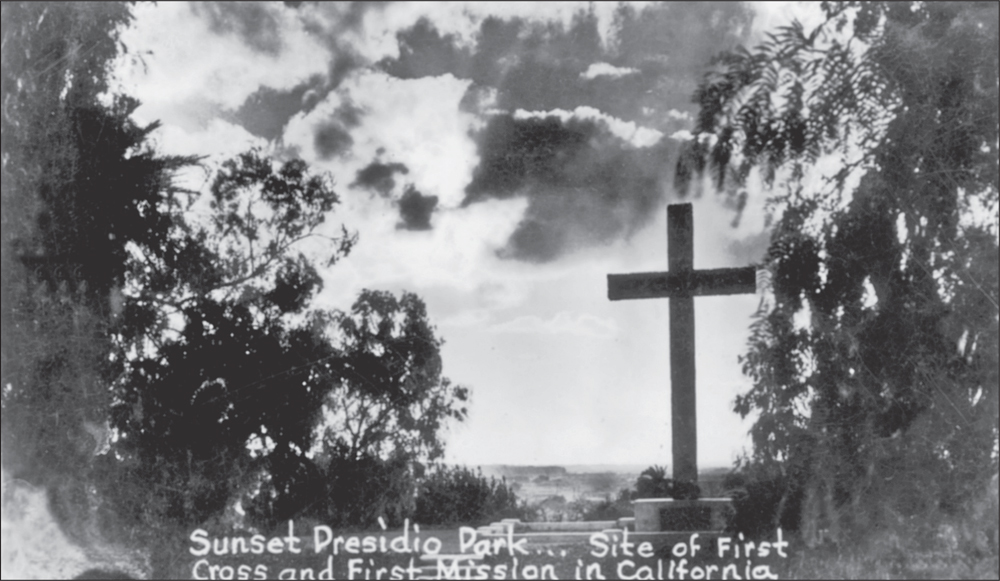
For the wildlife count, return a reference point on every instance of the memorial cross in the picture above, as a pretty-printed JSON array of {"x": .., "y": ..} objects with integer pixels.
[{"x": 680, "y": 284}]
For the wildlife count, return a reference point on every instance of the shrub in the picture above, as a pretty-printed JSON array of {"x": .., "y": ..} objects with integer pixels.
[
  {"x": 459, "y": 495},
  {"x": 610, "y": 509},
  {"x": 762, "y": 501},
  {"x": 653, "y": 483},
  {"x": 338, "y": 488},
  {"x": 361, "y": 490}
]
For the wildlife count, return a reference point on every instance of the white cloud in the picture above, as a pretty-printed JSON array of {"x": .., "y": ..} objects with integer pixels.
[
  {"x": 628, "y": 131},
  {"x": 679, "y": 115},
  {"x": 472, "y": 318},
  {"x": 562, "y": 323},
  {"x": 219, "y": 139},
  {"x": 186, "y": 64},
  {"x": 458, "y": 254},
  {"x": 415, "y": 121},
  {"x": 605, "y": 70},
  {"x": 462, "y": 19}
]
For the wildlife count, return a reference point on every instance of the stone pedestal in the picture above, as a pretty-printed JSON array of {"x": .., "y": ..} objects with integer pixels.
[{"x": 667, "y": 514}]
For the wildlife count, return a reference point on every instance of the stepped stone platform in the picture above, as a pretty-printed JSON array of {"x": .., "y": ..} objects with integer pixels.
[
  {"x": 667, "y": 514},
  {"x": 548, "y": 533},
  {"x": 653, "y": 516}
]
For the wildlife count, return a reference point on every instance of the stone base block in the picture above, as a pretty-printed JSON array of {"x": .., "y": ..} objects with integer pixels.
[{"x": 667, "y": 514}]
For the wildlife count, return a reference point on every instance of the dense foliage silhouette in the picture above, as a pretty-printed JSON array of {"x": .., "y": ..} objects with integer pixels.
[{"x": 875, "y": 368}]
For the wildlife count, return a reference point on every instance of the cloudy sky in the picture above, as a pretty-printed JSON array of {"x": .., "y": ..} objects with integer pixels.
[{"x": 499, "y": 160}]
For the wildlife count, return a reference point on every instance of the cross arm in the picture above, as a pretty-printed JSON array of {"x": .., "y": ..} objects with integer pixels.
[{"x": 694, "y": 283}]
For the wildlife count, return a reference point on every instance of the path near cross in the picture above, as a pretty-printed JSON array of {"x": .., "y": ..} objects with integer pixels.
[{"x": 681, "y": 283}]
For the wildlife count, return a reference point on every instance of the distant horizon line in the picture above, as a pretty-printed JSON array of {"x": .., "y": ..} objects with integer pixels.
[{"x": 641, "y": 466}]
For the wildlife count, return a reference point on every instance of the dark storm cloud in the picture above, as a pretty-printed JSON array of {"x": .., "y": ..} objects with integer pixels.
[
  {"x": 266, "y": 112},
  {"x": 541, "y": 67},
  {"x": 331, "y": 140},
  {"x": 379, "y": 177},
  {"x": 345, "y": 15},
  {"x": 339, "y": 22},
  {"x": 424, "y": 52},
  {"x": 345, "y": 61},
  {"x": 415, "y": 209},
  {"x": 583, "y": 184},
  {"x": 332, "y": 137},
  {"x": 255, "y": 23},
  {"x": 349, "y": 114}
]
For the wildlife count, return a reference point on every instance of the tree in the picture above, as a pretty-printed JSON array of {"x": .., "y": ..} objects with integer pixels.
[
  {"x": 76, "y": 173},
  {"x": 882, "y": 405},
  {"x": 459, "y": 495},
  {"x": 386, "y": 406},
  {"x": 382, "y": 404},
  {"x": 222, "y": 363},
  {"x": 38, "y": 65},
  {"x": 108, "y": 275},
  {"x": 161, "y": 356},
  {"x": 390, "y": 397},
  {"x": 81, "y": 187}
]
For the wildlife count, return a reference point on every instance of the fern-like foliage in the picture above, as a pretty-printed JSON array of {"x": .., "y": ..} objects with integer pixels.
[
  {"x": 875, "y": 368},
  {"x": 798, "y": 95}
]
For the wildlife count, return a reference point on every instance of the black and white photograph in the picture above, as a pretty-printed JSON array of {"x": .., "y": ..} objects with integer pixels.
[{"x": 500, "y": 290}]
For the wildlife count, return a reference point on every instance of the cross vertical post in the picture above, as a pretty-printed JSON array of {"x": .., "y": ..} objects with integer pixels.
[
  {"x": 684, "y": 425},
  {"x": 681, "y": 283}
]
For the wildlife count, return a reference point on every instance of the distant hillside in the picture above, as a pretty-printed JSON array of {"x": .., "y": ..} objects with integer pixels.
[
  {"x": 603, "y": 468},
  {"x": 513, "y": 471},
  {"x": 590, "y": 482}
]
